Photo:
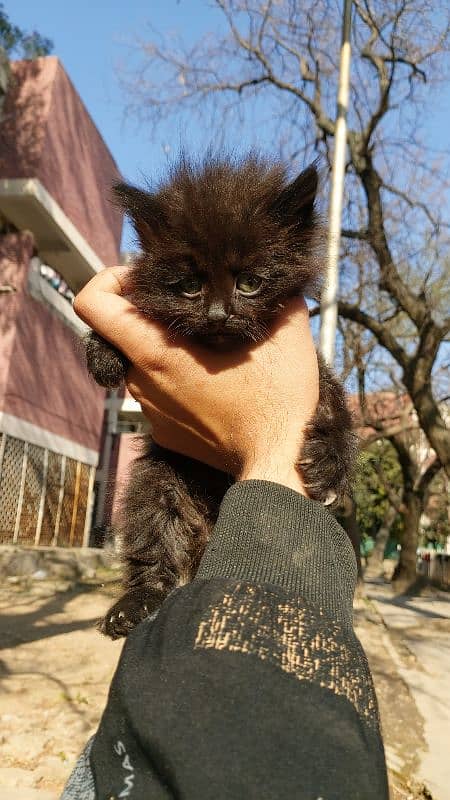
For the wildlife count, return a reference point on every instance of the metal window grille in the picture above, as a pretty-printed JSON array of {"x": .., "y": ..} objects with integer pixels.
[
  {"x": 45, "y": 497},
  {"x": 10, "y": 483},
  {"x": 33, "y": 471}
]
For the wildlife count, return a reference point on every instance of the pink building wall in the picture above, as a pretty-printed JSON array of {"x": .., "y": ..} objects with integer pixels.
[
  {"x": 43, "y": 377},
  {"x": 129, "y": 449},
  {"x": 48, "y": 134},
  {"x": 15, "y": 252}
]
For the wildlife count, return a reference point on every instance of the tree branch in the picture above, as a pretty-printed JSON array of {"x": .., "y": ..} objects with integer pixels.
[
  {"x": 394, "y": 499},
  {"x": 427, "y": 476},
  {"x": 322, "y": 120},
  {"x": 361, "y": 235},
  {"x": 390, "y": 279},
  {"x": 379, "y": 330},
  {"x": 412, "y": 203}
]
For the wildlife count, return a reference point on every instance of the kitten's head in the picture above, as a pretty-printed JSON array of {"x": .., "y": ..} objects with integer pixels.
[{"x": 224, "y": 243}]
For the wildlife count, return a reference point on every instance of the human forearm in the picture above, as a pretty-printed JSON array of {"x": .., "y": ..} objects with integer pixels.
[
  {"x": 250, "y": 681},
  {"x": 269, "y": 533}
]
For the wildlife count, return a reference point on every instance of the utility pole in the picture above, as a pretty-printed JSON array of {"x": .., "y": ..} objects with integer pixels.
[{"x": 328, "y": 307}]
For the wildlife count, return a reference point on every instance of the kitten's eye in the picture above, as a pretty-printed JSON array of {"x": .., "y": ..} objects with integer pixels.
[
  {"x": 248, "y": 284},
  {"x": 191, "y": 286}
]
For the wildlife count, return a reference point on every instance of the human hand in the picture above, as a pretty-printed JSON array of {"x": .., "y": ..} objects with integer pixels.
[{"x": 243, "y": 412}]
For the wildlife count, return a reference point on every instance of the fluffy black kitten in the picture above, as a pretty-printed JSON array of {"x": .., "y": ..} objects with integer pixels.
[{"x": 224, "y": 244}]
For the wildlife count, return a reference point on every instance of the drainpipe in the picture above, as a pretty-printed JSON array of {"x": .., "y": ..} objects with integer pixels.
[{"x": 102, "y": 476}]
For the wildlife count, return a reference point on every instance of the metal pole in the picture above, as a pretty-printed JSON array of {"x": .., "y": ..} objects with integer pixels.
[
  {"x": 62, "y": 479},
  {"x": 328, "y": 308},
  {"x": 89, "y": 507},
  {"x": 21, "y": 492},
  {"x": 40, "y": 517},
  {"x": 2, "y": 452},
  {"x": 76, "y": 497},
  {"x": 103, "y": 472}
]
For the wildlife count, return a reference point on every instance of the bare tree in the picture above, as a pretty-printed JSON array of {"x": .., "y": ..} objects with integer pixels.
[
  {"x": 397, "y": 423},
  {"x": 278, "y": 59},
  {"x": 390, "y": 416}
]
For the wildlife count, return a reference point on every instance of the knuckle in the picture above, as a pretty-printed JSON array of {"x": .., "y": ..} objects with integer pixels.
[
  {"x": 81, "y": 305},
  {"x": 133, "y": 389}
]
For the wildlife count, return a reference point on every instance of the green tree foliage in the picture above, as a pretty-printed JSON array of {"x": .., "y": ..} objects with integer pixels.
[
  {"x": 436, "y": 522},
  {"x": 17, "y": 43},
  {"x": 379, "y": 485},
  {"x": 378, "y": 478}
]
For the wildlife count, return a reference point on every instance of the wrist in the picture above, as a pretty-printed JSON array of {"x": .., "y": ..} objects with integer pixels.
[{"x": 284, "y": 475}]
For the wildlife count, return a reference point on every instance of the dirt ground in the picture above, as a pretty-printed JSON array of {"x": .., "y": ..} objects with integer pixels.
[{"x": 55, "y": 669}]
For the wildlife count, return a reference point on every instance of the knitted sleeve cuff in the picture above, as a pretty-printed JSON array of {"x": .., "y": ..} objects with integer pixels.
[{"x": 268, "y": 533}]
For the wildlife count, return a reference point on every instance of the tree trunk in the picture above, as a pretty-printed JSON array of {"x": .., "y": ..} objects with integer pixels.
[
  {"x": 416, "y": 368},
  {"x": 375, "y": 566},
  {"x": 434, "y": 426},
  {"x": 346, "y": 517},
  {"x": 405, "y": 574},
  {"x": 4, "y": 77}
]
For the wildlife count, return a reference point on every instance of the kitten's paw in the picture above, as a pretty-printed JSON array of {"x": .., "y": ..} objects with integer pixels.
[
  {"x": 107, "y": 365},
  {"x": 326, "y": 464},
  {"x": 129, "y": 611},
  {"x": 330, "y": 444}
]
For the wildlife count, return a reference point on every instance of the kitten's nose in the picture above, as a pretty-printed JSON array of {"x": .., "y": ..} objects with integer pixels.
[{"x": 217, "y": 313}]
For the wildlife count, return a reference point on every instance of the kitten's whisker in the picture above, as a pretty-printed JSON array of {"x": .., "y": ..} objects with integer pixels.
[
  {"x": 265, "y": 331},
  {"x": 184, "y": 329},
  {"x": 173, "y": 328},
  {"x": 179, "y": 326}
]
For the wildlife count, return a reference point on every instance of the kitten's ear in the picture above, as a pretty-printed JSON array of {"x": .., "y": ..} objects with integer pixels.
[
  {"x": 295, "y": 204},
  {"x": 143, "y": 208}
]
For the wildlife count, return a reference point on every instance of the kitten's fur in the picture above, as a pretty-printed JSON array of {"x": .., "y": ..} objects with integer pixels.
[{"x": 215, "y": 219}]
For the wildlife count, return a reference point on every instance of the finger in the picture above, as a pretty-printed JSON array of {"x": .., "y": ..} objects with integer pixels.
[
  {"x": 294, "y": 341},
  {"x": 89, "y": 304},
  {"x": 294, "y": 324},
  {"x": 101, "y": 305},
  {"x": 110, "y": 280}
]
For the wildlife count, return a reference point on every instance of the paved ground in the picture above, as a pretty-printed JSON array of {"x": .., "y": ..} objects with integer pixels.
[
  {"x": 419, "y": 644},
  {"x": 55, "y": 671}
]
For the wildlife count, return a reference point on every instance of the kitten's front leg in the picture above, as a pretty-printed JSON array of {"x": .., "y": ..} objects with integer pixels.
[
  {"x": 330, "y": 444},
  {"x": 166, "y": 522},
  {"x": 107, "y": 365}
]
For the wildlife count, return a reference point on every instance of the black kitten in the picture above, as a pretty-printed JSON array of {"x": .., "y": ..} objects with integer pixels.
[{"x": 224, "y": 245}]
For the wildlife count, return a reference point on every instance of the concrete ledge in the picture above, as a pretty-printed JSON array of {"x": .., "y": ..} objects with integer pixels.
[
  {"x": 41, "y": 290},
  {"x": 34, "y": 434},
  {"x": 28, "y": 205},
  {"x": 54, "y": 562}
]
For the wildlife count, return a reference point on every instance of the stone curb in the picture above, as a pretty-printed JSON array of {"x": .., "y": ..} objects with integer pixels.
[{"x": 54, "y": 562}]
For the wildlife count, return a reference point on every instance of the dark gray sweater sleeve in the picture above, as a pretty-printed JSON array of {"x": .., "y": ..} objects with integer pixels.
[{"x": 250, "y": 682}]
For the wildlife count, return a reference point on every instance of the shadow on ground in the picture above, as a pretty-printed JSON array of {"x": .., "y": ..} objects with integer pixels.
[{"x": 21, "y": 628}]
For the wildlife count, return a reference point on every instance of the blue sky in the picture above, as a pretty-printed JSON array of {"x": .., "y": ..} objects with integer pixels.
[{"x": 94, "y": 38}]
